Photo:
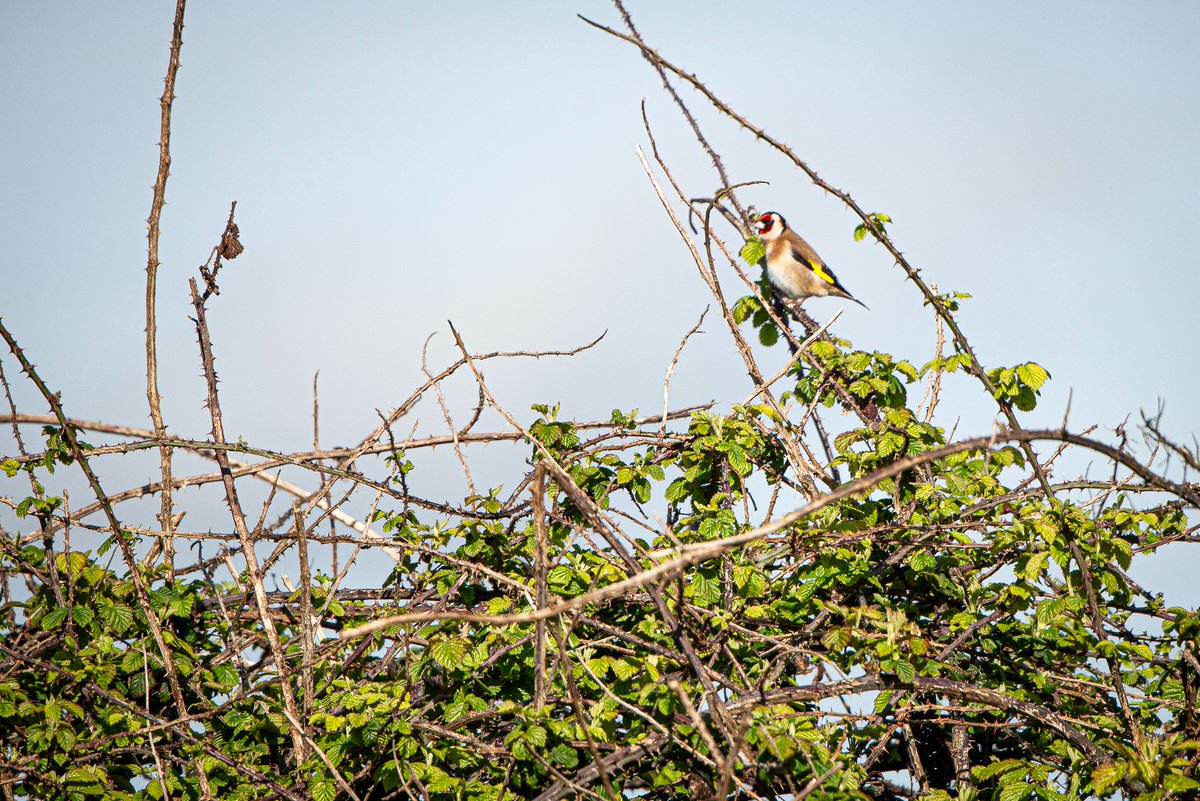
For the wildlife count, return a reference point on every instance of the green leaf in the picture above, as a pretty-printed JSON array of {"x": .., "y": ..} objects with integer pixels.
[
  {"x": 536, "y": 735},
  {"x": 768, "y": 335},
  {"x": 92, "y": 774},
  {"x": 1105, "y": 777},
  {"x": 565, "y": 756},
  {"x": 676, "y": 491},
  {"x": 922, "y": 562},
  {"x": 449, "y": 652},
  {"x": 745, "y": 308},
  {"x": 704, "y": 590},
  {"x": 322, "y": 789},
  {"x": 82, "y": 615},
  {"x": 117, "y": 617},
  {"x": 54, "y": 618},
  {"x": 1017, "y": 791},
  {"x": 985, "y": 772},
  {"x": 1025, "y": 400},
  {"x": 624, "y": 669},
  {"x": 458, "y": 708},
  {"x": 225, "y": 675},
  {"x": 1036, "y": 564},
  {"x": 1032, "y": 375},
  {"x": 438, "y": 780},
  {"x": 753, "y": 251},
  {"x": 1178, "y": 784}
]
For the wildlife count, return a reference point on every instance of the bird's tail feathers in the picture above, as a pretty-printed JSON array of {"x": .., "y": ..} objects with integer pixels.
[{"x": 842, "y": 292}]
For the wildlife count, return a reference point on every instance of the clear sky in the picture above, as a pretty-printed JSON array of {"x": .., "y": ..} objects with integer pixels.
[{"x": 400, "y": 164}]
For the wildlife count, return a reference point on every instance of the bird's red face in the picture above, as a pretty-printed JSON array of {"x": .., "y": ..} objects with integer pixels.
[{"x": 769, "y": 225}]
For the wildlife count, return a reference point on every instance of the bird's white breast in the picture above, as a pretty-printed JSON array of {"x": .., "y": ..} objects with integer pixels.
[{"x": 786, "y": 276}]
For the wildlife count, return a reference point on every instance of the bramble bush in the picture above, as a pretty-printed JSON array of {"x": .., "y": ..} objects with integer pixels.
[{"x": 735, "y": 601}]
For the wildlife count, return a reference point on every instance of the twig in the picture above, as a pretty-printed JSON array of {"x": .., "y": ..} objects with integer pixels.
[
  {"x": 441, "y": 399},
  {"x": 307, "y": 621},
  {"x": 674, "y": 361},
  {"x": 934, "y": 388},
  {"x": 818, "y": 781},
  {"x": 720, "y": 759},
  {"x": 253, "y": 571},
  {"x": 152, "y": 235},
  {"x": 540, "y": 570},
  {"x": 727, "y": 189}
]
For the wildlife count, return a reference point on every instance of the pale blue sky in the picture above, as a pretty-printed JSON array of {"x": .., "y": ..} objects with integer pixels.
[{"x": 400, "y": 164}]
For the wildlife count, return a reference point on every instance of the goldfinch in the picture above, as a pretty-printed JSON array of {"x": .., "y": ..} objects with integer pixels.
[{"x": 793, "y": 267}]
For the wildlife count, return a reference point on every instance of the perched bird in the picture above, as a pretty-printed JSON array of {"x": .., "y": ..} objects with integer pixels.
[{"x": 793, "y": 266}]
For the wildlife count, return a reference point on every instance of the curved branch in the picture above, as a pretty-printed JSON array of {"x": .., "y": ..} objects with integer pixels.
[{"x": 695, "y": 553}]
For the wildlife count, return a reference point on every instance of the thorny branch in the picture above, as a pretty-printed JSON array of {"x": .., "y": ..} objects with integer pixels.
[{"x": 153, "y": 230}]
